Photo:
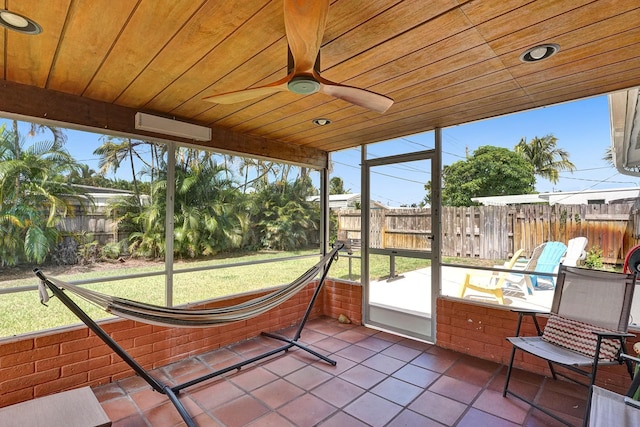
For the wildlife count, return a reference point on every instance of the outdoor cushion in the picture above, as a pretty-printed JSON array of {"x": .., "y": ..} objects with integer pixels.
[{"x": 579, "y": 337}]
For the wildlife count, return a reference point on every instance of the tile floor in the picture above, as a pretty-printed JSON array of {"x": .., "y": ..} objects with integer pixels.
[{"x": 379, "y": 380}]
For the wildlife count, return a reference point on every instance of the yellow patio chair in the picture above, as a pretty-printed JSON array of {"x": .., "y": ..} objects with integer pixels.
[{"x": 490, "y": 283}]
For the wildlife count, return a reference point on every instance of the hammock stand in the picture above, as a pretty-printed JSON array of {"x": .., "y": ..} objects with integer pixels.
[{"x": 172, "y": 391}]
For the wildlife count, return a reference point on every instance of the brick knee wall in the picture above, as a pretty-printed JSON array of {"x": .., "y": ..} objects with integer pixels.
[
  {"x": 481, "y": 331},
  {"x": 38, "y": 364}
]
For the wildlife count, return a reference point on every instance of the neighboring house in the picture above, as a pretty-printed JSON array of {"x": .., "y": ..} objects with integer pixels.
[
  {"x": 346, "y": 201},
  {"x": 587, "y": 197},
  {"x": 89, "y": 214}
]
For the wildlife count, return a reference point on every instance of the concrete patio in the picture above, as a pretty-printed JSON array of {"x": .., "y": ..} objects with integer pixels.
[{"x": 411, "y": 291}]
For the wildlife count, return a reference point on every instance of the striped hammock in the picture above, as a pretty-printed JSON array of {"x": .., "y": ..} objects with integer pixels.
[{"x": 190, "y": 317}]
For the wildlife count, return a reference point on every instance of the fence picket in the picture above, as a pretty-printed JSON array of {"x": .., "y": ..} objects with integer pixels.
[{"x": 496, "y": 232}]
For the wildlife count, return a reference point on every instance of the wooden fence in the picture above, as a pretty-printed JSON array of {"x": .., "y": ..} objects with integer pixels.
[{"x": 495, "y": 232}]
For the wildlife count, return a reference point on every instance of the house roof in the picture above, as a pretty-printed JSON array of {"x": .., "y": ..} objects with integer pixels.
[
  {"x": 563, "y": 197},
  {"x": 444, "y": 63}
]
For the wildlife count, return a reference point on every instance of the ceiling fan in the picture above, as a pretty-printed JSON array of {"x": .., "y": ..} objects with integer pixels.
[{"x": 304, "y": 22}]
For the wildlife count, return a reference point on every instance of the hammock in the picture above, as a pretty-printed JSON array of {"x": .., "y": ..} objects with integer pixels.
[{"x": 189, "y": 317}]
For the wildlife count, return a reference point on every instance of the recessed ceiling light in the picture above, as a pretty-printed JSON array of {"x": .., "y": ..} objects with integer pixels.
[
  {"x": 19, "y": 23},
  {"x": 321, "y": 122},
  {"x": 540, "y": 52}
]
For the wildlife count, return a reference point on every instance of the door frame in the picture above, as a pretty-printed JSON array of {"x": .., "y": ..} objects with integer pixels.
[{"x": 434, "y": 155}]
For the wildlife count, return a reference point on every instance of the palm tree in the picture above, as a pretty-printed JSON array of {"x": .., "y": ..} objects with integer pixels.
[
  {"x": 34, "y": 196},
  {"x": 546, "y": 159},
  {"x": 114, "y": 151}
]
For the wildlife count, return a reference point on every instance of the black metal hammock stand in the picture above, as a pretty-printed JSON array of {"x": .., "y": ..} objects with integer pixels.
[{"x": 185, "y": 317}]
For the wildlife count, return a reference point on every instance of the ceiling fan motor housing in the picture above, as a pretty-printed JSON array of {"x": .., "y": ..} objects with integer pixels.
[{"x": 303, "y": 85}]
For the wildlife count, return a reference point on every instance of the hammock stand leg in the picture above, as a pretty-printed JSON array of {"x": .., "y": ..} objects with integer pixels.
[
  {"x": 294, "y": 341},
  {"x": 172, "y": 392},
  {"x": 106, "y": 338}
]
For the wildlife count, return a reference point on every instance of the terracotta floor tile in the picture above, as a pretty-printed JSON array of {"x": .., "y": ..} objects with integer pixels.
[
  {"x": 214, "y": 395},
  {"x": 397, "y": 391},
  {"x": 340, "y": 419},
  {"x": 388, "y": 337},
  {"x": 240, "y": 411},
  {"x": 523, "y": 388},
  {"x": 308, "y": 377},
  {"x": 342, "y": 365},
  {"x": 416, "y": 375},
  {"x": 524, "y": 376},
  {"x": 135, "y": 383},
  {"x": 408, "y": 418},
  {"x": 563, "y": 403},
  {"x": 251, "y": 346},
  {"x": 418, "y": 345},
  {"x": 272, "y": 419},
  {"x": 186, "y": 370},
  {"x": 375, "y": 344},
  {"x": 163, "y": 415},
  {"x": 252, "y": 378},
  {"x": 434, "y": 363},
  {"x": 540, "y": 419},
  {"x": 147, "y": 399},
  {"x": 136, "y": 420},
  {"x": 284, "y": 364},
  {"x": 351, "y": 336},
  {"x": 455, "y": 389},
  {"x": 205, "y": 420},
  {"x": 278, "y": 393},
  {"x": 444, "y": 353},
  {"x": 338, "y": 392},
  {"x": 216, "y": 357},
  {"x": 466, "y": 371},
  {"x": 363, "y": 377},
  {"x": 328, "y": 329},
  {"x": 331, "y": 344},
  {"x": 385, "y": 364},
  {"x": 307, "y": 410},
  {"x": 356, "y": 353},
  {"x": 311, "y": 337},
  {"x": 108, "y": 391},
  {"x": 373, "y": 409},
  {"x": 508, "y": 408},
  {"x": 401, "y": 352},
  {"x": 565, "y": 387},
  {"x": 475, "y": 418},
  {"x": 366, "y": 331},
  {"x": 117, "y": 409},
  {"x": 437, "y": 407}
]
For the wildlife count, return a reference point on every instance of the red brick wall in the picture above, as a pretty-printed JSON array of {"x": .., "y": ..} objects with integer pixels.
[
  {"x": 481, "y": 330},
  {"x": 38, "y": 364},
  {"x": 343, "y": 298}
]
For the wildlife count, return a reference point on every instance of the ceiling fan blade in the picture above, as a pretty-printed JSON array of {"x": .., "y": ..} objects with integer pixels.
[
  {"x": 251, "y": 93},
  {"x": 360, "y": 97},
  {"x": 304, "y": 22}
]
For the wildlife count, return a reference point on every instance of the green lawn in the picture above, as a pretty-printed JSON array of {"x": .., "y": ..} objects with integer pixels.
[{"x": 22, "y": 312}]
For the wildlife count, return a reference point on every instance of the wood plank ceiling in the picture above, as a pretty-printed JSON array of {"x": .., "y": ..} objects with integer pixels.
[{"x": 444, "y": 62}]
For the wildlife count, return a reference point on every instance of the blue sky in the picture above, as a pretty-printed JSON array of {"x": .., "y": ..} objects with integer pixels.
[{"x": 582, "y": 128}]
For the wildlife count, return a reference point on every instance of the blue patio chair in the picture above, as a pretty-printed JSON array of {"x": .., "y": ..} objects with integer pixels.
[
  {"x": 549, "y": 262},
  {"x": 544, "y": 259}
]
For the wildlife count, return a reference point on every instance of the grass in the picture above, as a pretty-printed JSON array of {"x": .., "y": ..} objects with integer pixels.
[{"x": 21, "y": 312}]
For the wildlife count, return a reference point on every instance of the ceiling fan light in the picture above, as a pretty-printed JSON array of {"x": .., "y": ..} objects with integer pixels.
[
  {"x": 19, "y": 23},
  {"x": 303, "y": 85}
]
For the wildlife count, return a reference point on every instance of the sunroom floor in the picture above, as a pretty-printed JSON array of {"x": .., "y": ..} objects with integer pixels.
[{"x": 380, "y": 380}]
